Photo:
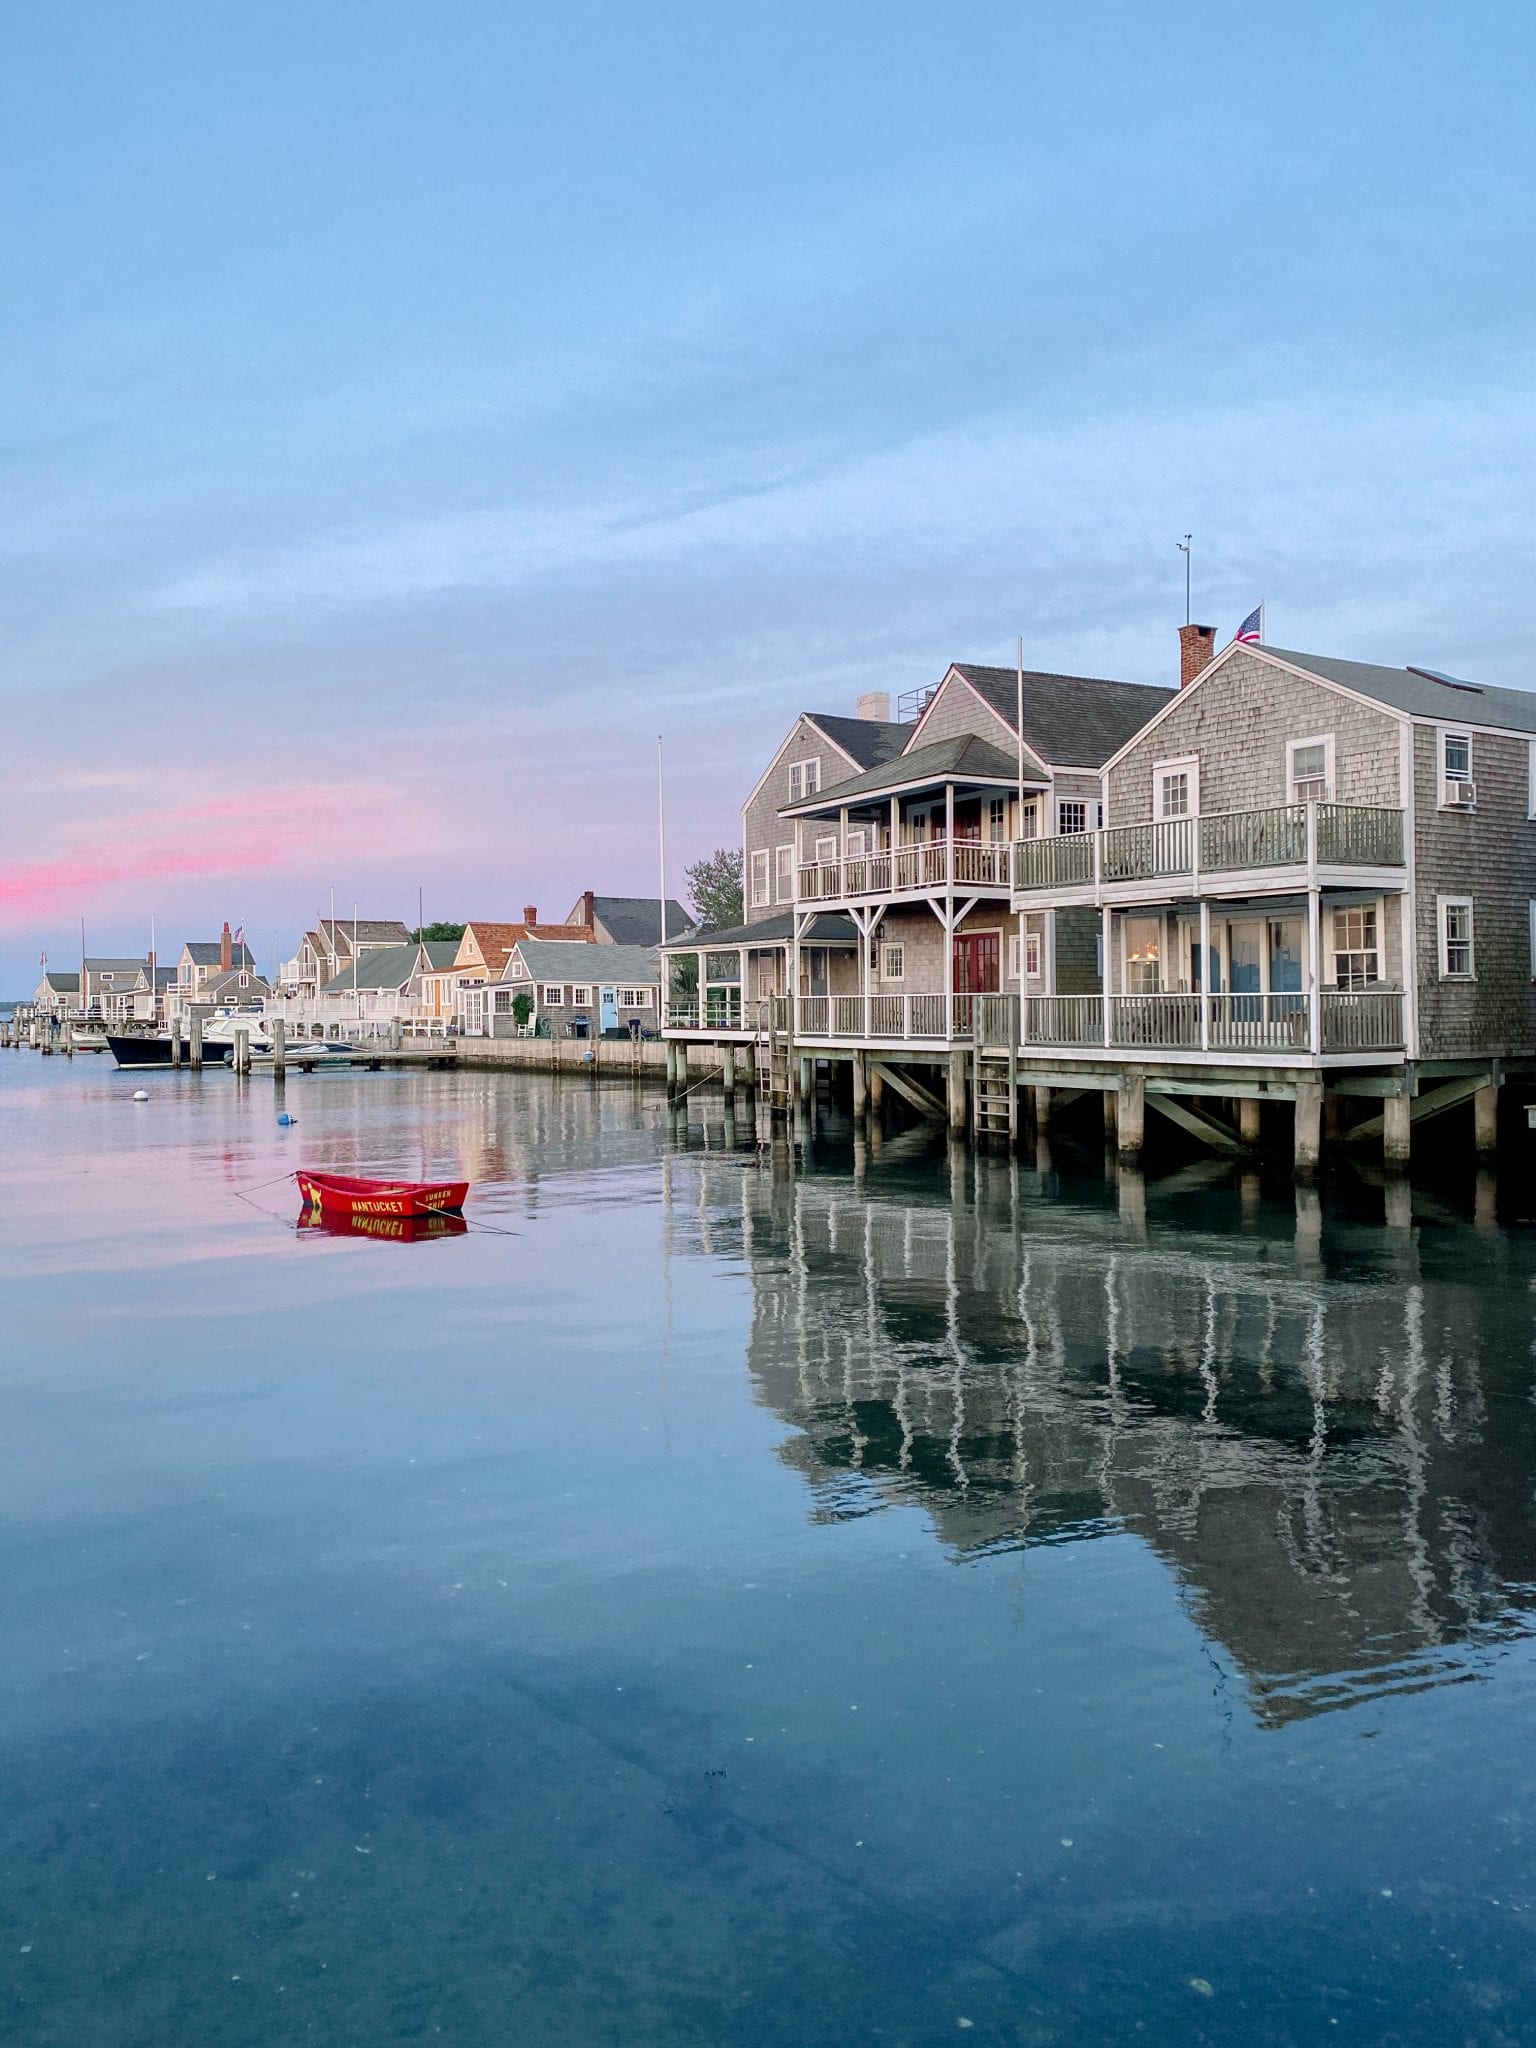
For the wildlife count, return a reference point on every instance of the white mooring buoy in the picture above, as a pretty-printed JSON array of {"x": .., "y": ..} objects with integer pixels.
[{"x": 141, "y": 1095}]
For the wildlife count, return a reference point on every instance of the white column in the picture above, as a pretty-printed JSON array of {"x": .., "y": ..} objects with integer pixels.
[
  {"x": 1106, "y": 978},
  {"x": 1315, "y": 963},
  {"x": 1205, "y": 974}
]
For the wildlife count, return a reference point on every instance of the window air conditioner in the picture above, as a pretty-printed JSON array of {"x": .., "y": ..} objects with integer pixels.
[{"x": 1461, "y": 792}]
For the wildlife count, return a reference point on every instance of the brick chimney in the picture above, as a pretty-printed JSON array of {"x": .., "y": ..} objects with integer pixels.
[
  {"x": 530, "y": 913},
  {"x": 588, "y": 909},
  {"x": 226, "y": 948},
  {"x": 1197, "y": 645}
]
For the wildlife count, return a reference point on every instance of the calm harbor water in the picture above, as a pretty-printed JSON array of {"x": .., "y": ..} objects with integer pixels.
[{"x": 887, "y": 1597}]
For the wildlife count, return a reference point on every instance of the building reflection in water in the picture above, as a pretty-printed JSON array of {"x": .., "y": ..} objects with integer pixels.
[{"x": 1334, "y": 1457}]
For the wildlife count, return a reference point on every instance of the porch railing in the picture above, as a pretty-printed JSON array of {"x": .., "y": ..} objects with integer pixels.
[
  {"x": 907, "y": 870},
  {"x": 1349, "y": 1020},
  {"x": 1218, "y": 843}
]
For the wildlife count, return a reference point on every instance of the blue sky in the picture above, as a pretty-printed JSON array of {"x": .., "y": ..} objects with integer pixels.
[{"x": 410, "y": 411}]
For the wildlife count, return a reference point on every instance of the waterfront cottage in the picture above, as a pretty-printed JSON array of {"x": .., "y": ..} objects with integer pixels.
[
  {"x": 329, "y": 947},
  {"x": 57, "y": 994},
  {"x": 377, "y": 994},
  {"x": 565, "y": 989}
]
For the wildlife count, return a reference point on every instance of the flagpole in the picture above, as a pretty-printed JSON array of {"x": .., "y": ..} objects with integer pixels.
[
  {"x": 661, "y": 833},
  {"x": 1020, "y": 710}
]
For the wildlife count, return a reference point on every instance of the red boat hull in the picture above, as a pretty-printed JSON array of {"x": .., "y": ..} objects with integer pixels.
[{"x": 341, "y": 1195}]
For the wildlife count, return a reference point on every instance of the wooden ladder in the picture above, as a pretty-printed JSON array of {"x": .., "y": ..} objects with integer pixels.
[{"x": 994, "y": 1099}]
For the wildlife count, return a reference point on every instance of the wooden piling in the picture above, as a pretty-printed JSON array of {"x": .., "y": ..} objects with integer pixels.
[
  {"x": 1249, "y": 1120},
  {"x": 279, "y": 1048},
  {"x": 1131, "y": 1115},
  {"x": 1309, "y": 1127},
  {"x": 1396, "y": 1130},
  {"x": 1485, "y": 1121}
]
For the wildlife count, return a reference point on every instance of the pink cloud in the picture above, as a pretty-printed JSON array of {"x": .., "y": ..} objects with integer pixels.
[{"x": 256, "y": 834}]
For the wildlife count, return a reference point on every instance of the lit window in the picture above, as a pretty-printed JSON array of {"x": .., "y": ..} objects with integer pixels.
[
  {"x": 1071, "y": 817},
  {"x": 1356, "y": 959},
  {"x": 892, "y": 963},
  {"x": 1455, "y": 938},
  {"x": 1143, "y": 956}
]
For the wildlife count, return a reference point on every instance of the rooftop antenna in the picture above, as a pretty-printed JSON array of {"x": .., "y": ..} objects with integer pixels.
[{"x": 1184, "y": 551}]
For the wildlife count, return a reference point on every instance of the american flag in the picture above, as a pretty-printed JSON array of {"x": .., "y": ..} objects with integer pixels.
[
  {"x": 239, "y": 938},
  {"x": 1252, "y": 628}
]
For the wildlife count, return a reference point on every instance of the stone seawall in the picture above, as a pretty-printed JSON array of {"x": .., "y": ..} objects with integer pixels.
[{"x": 611, "y": 1056}]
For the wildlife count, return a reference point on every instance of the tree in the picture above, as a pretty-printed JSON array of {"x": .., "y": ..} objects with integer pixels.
[
  {"x": 441, "y": 930},
  {"x": 714, "y": 889}
]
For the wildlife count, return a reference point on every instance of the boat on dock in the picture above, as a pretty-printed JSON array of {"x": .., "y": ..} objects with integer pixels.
[
  {"x": 146, "y": 1051},
  {"x": 342, "y": 1195}
]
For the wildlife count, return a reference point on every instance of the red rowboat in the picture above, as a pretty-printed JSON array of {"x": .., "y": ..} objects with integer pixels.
[
  {"x": 340, "y": 1194},
  {"x": 387, "y": 1229}
]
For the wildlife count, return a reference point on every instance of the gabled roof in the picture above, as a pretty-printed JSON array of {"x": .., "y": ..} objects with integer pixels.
[
  {"x": 228, "y": 983},
  {"x": 497, "y": 940},
  {"x": 1422, "y": 693},
  {"x": 437, "y": 954},
  {"x": 963, "y": 758},
  {"x": 205, "y": 953},
  {"x": 376, "y": 967},
  {"x": 568, "y": 960},
  {"x": 829, "y": 928},
  {"x": 869, "y": 741},
  {"x": 106, "y": 966},
  {"x": 371, "y": 931},
  {"x": 636, "y": 920},
  {"x": 1078, "y": 721},
  {"x": 62, "y": 984}
]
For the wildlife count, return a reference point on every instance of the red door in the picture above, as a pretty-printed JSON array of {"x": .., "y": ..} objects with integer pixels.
[{"x": 978, "y": 963}]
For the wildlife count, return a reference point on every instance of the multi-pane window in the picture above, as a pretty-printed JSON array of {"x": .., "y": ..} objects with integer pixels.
[
  {"x": 1311, "y": 770},
  {"x": 1029, "y": 818},
  {"x": 1143, "y": 956},
  {"x": 581, "y": 997},
  {"x": 1456, "y": 938},
  {"x": 1356, "y": 956},
  {"x": 1456, "y": 785},
  {"x": 634, "y": 998},
  {"x": 997, "y": 819},
  {"x": 1176, "y": 787},
  {"x": 1032, "y": 955},
  {"x": 1071, "y": 817},
  {"x": 804, "y": 779},
  {"x": 892, "y": 963},
  {"x": 554, "y": 998},
  {"x": 784, "y": 872},
  {"x": 760, "y": 879}
]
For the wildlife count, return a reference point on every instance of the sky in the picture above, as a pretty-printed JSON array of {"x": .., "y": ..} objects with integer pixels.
[{"x": 409, "y": 412}]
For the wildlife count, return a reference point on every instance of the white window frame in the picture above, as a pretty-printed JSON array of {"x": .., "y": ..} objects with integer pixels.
[
  {"x": 761, "y": 898},
  {"x": 1292, "y": 749},
  {"x": 552, "y": 997},
  {"x": 1033, "y": 946},
  {"x": 1071, "y": 803},
  {"x": 581, "y": 996},
  {"x": 804, "y": 778},
  {"x": 893, "y": 961},
  {"x": 997, "y": 821},
  {"x": 1444, "y": 734},
  {"x": 1332, "y": 948},
  {"x": 825, "y": 846},
  {"x": 1015, "y": 957},
  {"x": 784, "y": 872},
  {"x": 1178, "y": 764},
  {"x": 634, "y": 999},
  {"x": 1029, "y": 818},
  {"x": 1443, "y": 905},
  {"x": 859, "y": 833}
]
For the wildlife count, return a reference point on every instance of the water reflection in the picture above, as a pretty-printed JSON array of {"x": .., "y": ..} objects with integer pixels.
[{"x": 1333, "y": 1454}]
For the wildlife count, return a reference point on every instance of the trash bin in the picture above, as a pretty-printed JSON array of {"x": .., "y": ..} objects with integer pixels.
[{"x": 634, "y": 1029}]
